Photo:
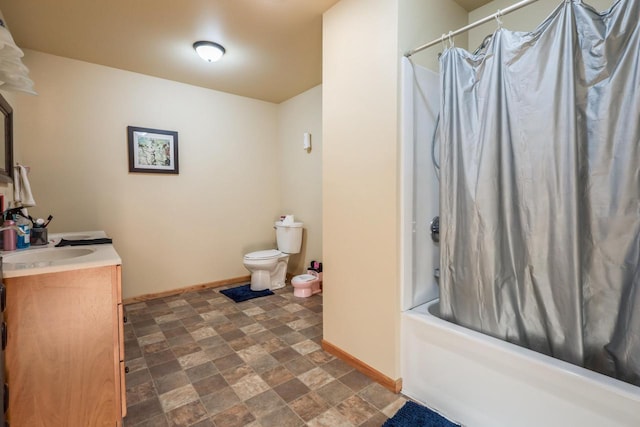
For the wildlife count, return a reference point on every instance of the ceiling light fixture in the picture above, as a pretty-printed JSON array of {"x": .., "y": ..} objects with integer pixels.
[{"x": 209, "y": 51}]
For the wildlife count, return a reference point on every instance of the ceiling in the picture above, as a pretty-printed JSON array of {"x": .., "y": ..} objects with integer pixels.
[{"x": 274, "y": 47}]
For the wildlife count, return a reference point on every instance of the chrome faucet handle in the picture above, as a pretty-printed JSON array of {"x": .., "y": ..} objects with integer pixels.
[{"x": 435, "y": 229}]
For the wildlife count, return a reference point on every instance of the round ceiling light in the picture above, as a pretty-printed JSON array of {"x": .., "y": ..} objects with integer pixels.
[{"x": 209, "y": 51}]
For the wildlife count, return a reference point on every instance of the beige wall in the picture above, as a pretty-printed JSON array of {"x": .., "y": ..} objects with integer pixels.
[
  {"x": 171, "y": 231},
  {"x": 359, "y": 180},
  {"x": 301, "y": 171},
  {"x": 363, "y": 43}
]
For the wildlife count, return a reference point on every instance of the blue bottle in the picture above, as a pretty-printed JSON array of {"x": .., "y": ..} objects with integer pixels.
[{"x": 23, "y": 241}]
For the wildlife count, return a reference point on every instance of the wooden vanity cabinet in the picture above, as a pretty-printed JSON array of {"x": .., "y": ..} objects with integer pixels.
[{"x": 65, "y": 351}]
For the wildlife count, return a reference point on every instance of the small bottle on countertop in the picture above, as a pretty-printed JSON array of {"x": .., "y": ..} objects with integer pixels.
[
  {"x": 9, "y": 236},
  {"x": 23, "y": 241}
]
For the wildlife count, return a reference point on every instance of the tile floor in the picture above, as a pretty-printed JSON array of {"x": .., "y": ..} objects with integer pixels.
[{"x": 200, "y": 359}]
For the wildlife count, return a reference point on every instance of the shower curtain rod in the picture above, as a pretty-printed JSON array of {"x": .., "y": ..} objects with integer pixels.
[{"x": 498, "y": 14}]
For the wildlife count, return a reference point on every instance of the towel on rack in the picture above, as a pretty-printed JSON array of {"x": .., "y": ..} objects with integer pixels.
[{"x": 21, "y": 187}]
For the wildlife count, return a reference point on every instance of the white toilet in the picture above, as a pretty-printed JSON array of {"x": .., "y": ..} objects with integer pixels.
[{"x": 269, "y": 268}]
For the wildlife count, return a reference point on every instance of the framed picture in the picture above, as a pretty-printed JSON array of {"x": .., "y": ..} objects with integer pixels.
[{"x": 152, "y": 150}]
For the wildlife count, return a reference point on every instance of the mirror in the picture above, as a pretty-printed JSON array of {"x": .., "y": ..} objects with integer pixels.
[{"x": 6, "y": 136}]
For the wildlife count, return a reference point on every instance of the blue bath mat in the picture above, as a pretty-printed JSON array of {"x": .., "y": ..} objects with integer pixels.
[
  {"x": 414, "y": 415},
  {"x": 244, "y": 292}
]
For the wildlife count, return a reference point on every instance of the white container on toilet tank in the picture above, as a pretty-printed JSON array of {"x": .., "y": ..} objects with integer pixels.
[{"x": 268, "y": 268}]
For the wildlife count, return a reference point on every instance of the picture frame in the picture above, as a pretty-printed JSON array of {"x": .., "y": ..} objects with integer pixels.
[{"x": 152, "y": 150}]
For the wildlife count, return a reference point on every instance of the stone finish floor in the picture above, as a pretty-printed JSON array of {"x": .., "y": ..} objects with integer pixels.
[{"x": 200, "y": 359}]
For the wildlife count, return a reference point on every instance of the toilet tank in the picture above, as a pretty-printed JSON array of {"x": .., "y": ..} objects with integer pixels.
[{"x": 289, "y": 237}]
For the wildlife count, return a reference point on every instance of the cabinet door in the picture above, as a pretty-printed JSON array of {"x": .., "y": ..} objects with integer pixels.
[
  {"x": 60, "y": 364},
  {"x": 4, "y": 394},
  {"x": 122, "y": 393},
  {"x": 123, "y": 390}
]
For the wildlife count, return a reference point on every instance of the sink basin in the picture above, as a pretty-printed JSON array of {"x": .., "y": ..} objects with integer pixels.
[
  {"x": 51, "y": 259},
  {"x": 43, "y": 257}
]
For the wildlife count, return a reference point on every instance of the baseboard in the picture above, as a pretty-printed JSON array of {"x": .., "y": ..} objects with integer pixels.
[
  {"x": 180, "y": 291},
  {"x": 389, "y": 383}
]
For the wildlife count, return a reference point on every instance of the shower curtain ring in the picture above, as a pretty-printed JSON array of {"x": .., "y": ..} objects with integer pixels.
[
  {"x": 451, "y": 44},
  {"x": 498, "y": 16}
]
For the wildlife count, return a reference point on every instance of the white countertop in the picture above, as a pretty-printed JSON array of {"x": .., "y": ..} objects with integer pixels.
[{"x": 50, "y": 259}]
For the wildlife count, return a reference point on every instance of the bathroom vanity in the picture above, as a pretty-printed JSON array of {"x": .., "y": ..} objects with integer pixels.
[{"x": 65, "y": 350}]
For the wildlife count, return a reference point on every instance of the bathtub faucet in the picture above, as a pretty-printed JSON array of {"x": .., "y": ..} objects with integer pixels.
[{"x": 435, "y": 229}]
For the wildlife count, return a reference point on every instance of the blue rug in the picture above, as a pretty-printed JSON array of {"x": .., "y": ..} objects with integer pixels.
[
  {"x": 414, "y": 415},
  {"x": 244, "y": 292}
]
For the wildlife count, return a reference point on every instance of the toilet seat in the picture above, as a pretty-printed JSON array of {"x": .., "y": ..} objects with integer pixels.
[
  {"x": 263, "y": 255},
  {"x": 303, "y": 278}
]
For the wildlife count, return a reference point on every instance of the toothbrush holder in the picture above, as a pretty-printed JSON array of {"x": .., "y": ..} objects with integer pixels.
[{"x": 39, "y": 236}]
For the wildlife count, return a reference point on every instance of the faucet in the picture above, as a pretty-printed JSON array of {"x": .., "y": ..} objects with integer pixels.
[
  {"x": 15, "y": 228},
  {"x": 11, "y": 212}
]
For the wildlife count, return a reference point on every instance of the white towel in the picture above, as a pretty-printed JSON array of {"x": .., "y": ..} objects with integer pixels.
[{"x": 21, "y": 187}]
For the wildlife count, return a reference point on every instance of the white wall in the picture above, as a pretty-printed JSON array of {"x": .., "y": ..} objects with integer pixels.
[
  {"x": 301, "y": 171},
  {"x": 419, "y": 185},
  {"x": 171, "y": 231}
]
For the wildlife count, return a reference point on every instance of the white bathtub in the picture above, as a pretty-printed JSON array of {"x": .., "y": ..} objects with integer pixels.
[{"x": 480, "y": 381}]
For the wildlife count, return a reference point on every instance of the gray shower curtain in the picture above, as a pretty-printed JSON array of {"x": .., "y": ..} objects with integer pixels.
[{"x": 540, "y": 187}]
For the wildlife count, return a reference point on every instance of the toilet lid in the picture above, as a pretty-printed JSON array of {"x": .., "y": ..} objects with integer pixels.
[{"x": 271, "y": 253}]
